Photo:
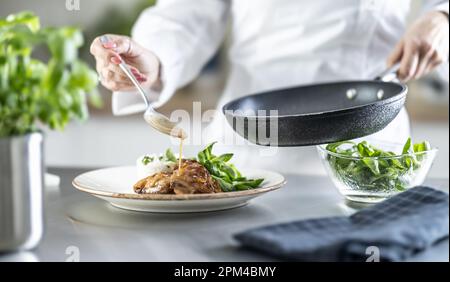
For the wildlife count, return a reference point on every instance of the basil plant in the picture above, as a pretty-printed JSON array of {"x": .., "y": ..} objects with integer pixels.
[{"x": 36, "y": 92}]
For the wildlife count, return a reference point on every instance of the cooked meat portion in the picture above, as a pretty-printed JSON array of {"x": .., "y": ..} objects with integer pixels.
[
  {"x": 158, "y": 183},
  {"x": 192, "y": 178}
]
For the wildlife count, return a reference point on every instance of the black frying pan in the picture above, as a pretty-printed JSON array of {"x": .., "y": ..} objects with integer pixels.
[{"x": 318, "y": 113}]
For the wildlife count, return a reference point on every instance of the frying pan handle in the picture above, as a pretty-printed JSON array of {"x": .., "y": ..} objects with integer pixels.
[{"x": 389, "y": 74}]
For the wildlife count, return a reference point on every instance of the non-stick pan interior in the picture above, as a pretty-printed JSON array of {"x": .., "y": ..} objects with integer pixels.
[{"x": 319, "y": 98}]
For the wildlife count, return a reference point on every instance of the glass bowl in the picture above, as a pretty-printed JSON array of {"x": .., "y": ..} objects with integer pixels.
[{"x": 357, "y": 179}]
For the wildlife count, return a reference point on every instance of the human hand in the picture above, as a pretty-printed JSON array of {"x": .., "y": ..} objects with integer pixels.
[
  {"x": 424, "y": 46},
  {"x": 144, "y": 65}
]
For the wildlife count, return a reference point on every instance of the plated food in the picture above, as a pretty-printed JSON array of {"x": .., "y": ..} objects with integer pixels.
[
  {"x": 206, "y": 183},
  {"x": 364, "y": 172},
  {"x": 208, "y": 173},
  {"x": 189, "y": 178}
]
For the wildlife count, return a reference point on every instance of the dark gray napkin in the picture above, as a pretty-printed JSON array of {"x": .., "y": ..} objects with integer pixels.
[{"x": 395, "y": 229}]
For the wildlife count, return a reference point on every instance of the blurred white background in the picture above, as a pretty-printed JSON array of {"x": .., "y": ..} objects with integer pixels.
[{"x": 105, "y": 140}]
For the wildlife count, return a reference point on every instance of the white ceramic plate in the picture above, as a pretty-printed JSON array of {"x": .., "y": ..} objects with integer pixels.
[{"x": 115, "y": 185}]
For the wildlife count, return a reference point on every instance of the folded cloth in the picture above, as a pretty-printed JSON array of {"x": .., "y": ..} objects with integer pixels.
[{"x": 392, "y": 230}]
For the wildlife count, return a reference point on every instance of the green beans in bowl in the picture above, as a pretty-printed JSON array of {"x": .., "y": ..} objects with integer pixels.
[{"x": 366, "y": 173}]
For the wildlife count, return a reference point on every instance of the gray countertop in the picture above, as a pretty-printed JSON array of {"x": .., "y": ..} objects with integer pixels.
[{"x": 79, "y": 225}]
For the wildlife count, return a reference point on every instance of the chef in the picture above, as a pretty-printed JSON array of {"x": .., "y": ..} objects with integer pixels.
[{"x": 275, "y": 44}]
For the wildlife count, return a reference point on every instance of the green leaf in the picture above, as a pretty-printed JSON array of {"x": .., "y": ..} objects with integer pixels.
[
  {"x": 169, "y": 155},
  {"x": 201, "y": 157},
  {"x": 208, "y": 151},
  {"x": 223, "y": 158},
  {"x": 422, "y": 147},
  {"x": 237, "y": 174},
  {"x": 247, "y": 184},
  {"x": 407, "y": 147},
  {"x": 23, "y": 18},
  {"x": 95, "y": 99},
  {"x": 367, "y": 167},
  {"x": 226, "y": 187},
  {"x": 147, "y": 159},
  {"x": 365, "y": 150},
  {"x": 333, "y": 147},
  {"x": 65, "y": 99},
  {"x": 229, "y": 178},
  {"x": 206, "y": 154},
  {"x": 372, "y": 164},
  {"x": 396, "y": 163},
  {"x": 50, "y": 92}
]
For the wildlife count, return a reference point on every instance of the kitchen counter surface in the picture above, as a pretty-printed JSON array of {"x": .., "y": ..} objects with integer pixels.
[{"x": 81, "y": 226}]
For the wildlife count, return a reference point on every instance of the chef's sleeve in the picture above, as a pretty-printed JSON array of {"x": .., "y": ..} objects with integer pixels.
[
  {"x": 437, "y": 5},
  {"x": 184, "y": 35}
]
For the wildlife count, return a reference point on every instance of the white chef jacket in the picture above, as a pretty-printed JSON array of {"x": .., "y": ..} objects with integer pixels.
[{"x": 274, "y": 44}]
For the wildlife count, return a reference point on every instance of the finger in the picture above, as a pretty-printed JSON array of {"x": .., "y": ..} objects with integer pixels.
[
  {"x": 117, "y": 86},
  {"x": 100, "y": 67},
  {"x": 409, "y": 62},
  {"x": 138, "y": 75},
  {"x": 439, "y": 57},
  {"x": 122, "y": 45},
  {"x": 424, "y": 61},
  {"x": 120, "y": 76},
  {"x": 101, "y": 64},
  {"x": 95, "y": 47},
  {"x": 112, "y": 73},
  {"x": 432, "y": 66},
  {"x": 434, "y": 60},
  {"x": 119, "y": 72},
  {"x": 108, "y": 75},
  {"x": 396, "y": 54},
  {"x": 104, "y": 54}
]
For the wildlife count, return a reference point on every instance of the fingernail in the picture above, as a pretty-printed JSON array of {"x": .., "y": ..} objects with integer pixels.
[
  {"x": 116, "y": 60},
  {"x": 139, "y": 76},
  {"x": 110, "y": 45}
]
